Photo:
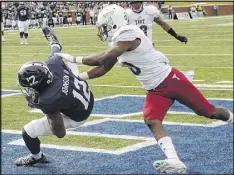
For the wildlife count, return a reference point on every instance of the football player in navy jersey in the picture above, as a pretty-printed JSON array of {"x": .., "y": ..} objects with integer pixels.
[
  {"x": 22, "y": 16},
  {"x": 62, "y": 96}
]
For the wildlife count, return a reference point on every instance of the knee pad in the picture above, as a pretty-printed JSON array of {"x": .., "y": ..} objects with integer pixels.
[
  {"x": 26, "y": 35},
  {"x": 37, "y": 128},
  {"x": 21, "y": 34}
]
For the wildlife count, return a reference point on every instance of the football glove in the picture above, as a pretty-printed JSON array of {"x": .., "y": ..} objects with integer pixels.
[{"x": 182, "y": 38}]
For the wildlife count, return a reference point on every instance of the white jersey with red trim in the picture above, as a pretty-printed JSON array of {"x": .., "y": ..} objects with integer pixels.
[
  {"x": 149, "y": 65},
  {"x": 144, "y": 19}
]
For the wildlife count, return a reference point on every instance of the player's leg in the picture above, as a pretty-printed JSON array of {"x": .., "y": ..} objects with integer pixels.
[
  {"x": 26, "y": 25},
  {"x": 53, "y": 40},
  {"x": 2, "y": 29},
  {"x": 35, "y": 129},
  {"x": 21, "y": 31},
  {"x": 155, "y": 109},
  {"x": 44, "y": 22},
  {"x": 186, "y": 93},
  {"x": 56, "y": 47}
]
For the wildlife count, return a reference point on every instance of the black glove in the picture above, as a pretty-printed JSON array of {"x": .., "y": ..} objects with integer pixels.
[{"x": 182, "y": 39}]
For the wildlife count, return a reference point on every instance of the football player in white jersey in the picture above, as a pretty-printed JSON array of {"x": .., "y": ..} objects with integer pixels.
[
  {"x": 143, "y": 17},
  {"x": 163, "y": 83}
]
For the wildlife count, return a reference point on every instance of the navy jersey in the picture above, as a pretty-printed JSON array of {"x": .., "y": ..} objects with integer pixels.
[
  {"x": 53, "y": 14},
  {"x": 69, "y": 15},
  {"x": 67, "y": 93},
  {"x": 60, "y": 14},
  {"x": 22, "y": 14}
]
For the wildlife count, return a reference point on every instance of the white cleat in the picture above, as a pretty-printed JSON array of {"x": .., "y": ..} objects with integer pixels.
[
  {"x": 170, "y": 166},
  {"x": 25, "y": 41},
  {"x": 21, "y": 41}
]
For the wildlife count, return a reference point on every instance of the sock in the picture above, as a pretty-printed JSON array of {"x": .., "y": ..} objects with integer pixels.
[
  {"x": 2, "y": 37},
  {"x": 167, "y": 147},
  {"x": 33, "y": 144},
  {"x": 55, "y": 45},
  {"x": 37, "y": 156},
  {"x": 25, "y": 35},
  {"x": 230, "y": 120},
  {"x": 73, "y": 67},
  {"x": 21, "y": 34}
]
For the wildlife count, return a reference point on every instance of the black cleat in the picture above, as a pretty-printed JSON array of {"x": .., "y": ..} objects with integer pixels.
[
  {"x": 51, "y": 36},
  {"x": 29, "y": 160}
]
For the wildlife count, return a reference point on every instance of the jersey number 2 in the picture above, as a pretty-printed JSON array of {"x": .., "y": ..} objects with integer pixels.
[
  {"x": 144, "y": 29},
  {"x": 83, "y": 97}
]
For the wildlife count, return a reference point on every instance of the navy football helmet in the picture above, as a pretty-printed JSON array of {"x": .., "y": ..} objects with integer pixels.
[{"x": 33, "y": 78}]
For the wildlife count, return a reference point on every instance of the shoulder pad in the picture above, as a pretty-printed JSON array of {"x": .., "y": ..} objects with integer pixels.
[
  {"x": 125, "y": 33},
  {"x": 150, "y": 9},
  {"x": 128, "y": 11}
]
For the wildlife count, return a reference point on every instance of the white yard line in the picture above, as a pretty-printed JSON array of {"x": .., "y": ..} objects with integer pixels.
[
  {"x": 148, "y": 141},
  {"x": 224, "y": 82},
  {"x": 204, "y": 86},
  {"x": 20, "y": 142},
  {"x": 120, "y": 95}
]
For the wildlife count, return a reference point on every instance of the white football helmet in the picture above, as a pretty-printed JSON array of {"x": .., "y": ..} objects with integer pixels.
[{"x": 110, "y": 19}]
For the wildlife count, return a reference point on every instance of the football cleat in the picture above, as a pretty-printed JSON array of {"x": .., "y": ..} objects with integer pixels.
[
  {"x": 170, "y": 166},
  {"x": 29, "y": 160},
  {"x": 51, "y": 36}
]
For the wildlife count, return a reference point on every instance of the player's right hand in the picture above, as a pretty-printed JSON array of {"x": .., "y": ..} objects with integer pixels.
[{"x": 67, "y": 57}]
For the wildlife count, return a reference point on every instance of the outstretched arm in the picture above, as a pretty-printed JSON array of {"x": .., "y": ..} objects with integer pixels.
[
  {"x": 103, "y": 61},
  {"x": 101, "y": 58},
  {"x": 169, "y": 30},
  {"x": 99, "y": 71}
]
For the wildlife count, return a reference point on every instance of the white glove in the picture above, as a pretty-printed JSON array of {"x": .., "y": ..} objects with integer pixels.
[{"x": 70, "y": 58}]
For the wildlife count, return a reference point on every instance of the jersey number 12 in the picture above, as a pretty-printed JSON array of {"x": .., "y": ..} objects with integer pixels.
[{"x": 83, "y": 97}]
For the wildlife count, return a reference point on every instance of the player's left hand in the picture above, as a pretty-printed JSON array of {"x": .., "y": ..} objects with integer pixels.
[{"x": 182, "y": 39}]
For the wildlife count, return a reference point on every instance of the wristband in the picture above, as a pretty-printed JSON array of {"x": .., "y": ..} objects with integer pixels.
[
  {"x": 172, "y": 32},
  {"x": 84, "y": 75},
  {"x": 77, "y": 59}
]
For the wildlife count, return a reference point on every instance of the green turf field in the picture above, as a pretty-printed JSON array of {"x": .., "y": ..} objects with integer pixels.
[{"x": 209, "y": 52}]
